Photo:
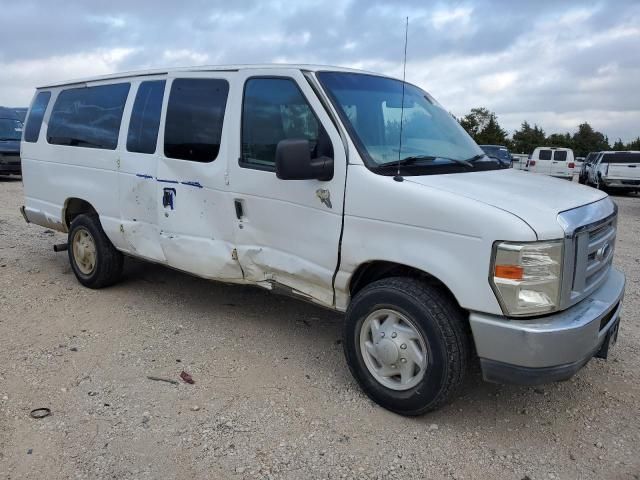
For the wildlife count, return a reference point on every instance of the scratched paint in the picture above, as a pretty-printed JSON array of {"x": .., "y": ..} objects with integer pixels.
[
  {"x": 189, "y": 183},
  {"x": 193, "y": 184}
]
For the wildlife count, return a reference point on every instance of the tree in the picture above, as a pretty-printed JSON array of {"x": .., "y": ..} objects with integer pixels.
[
  {"x": 560, "y": 140},
  {"x": 634, "y": 145},
  {"x": 527, "y": 139},
  {"x": 483, "y": 127},
  {"x": 619, "y": 145},
  {"x": 586, "y": 140}
]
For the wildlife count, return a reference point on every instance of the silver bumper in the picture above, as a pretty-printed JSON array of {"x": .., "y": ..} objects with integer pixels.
[{"x": 551, "y": 347}]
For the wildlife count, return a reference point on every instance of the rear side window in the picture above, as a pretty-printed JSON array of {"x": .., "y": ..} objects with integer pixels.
[
  {"x": 621, "y": 158},
  {"x": 36, "y": 114},
  {"x": 274, "y": 109},
  {"x": 560, "y": 155},
  {"x": 88, "y": 117},
  {"x": 145, "y": 117},
  {"x": 195, "y": 114},
  {"x": 544, "y": 155}
]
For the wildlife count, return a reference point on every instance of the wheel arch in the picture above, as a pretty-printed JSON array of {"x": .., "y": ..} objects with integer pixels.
[
  {"x": 73, "y": 207},
  {"x": 371, "y": 271}
]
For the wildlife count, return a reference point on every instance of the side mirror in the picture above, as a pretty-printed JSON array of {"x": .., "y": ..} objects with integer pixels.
[{"x": 294, "y": 162}]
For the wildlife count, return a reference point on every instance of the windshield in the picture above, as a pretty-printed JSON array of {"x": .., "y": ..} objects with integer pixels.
[
  {"x": 10, "y": 129},
  {"x": 370, "y": 107},
  {"x": 498, "y": 152}
]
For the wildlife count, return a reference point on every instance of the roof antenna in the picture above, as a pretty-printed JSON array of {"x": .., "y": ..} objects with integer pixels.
[{"x": 398, "y": 177}]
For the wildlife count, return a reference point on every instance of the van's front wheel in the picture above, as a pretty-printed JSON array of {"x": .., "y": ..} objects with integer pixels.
[
  {"x": 94, "y": 260},
  {"x": 407, "y": 345}
]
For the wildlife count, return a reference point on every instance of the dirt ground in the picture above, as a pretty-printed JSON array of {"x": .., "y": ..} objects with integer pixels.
[{"x": 273, "y": 397}]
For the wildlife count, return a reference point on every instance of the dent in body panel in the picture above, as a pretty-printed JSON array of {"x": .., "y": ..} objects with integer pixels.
[
  {"x": 207, "y": 258},
  {"x": 141, "y": 237},
  {"x": 304, "y": 278}
]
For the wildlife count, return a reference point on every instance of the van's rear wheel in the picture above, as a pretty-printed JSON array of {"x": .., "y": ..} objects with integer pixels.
[
  {"x": 407, "y": 345},
  {"x": 94, "y": 260}
]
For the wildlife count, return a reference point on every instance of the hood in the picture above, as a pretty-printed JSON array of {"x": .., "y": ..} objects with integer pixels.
[
  {"x": 9, "y": 146},
  {"x": 536, "y": 199}
]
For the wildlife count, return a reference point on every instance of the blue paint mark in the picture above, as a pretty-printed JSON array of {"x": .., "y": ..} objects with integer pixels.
[
  {"x": 192, "y": 184},
  {"x": 142, "y": 175},
  {"x": 167, "y": 181}
]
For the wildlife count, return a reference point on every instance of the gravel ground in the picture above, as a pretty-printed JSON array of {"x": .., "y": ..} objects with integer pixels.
[{"x": 273, "y": 397}]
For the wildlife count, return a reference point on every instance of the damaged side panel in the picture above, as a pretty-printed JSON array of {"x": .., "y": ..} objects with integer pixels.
[
  {"x": 204, "y": 257},
  {"x": 270, "y": 267}
]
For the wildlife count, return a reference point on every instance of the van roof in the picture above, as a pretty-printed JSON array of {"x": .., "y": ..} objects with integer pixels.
[
  {"x": 206, "y": 68},
  {"x": 554, "y": 148}
]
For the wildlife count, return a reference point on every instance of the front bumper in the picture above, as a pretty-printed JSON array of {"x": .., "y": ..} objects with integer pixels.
[
  {"x": 10, "y": 165},
  {"x": 550, "y": 348},
  {"x": 10, "y": 169}
]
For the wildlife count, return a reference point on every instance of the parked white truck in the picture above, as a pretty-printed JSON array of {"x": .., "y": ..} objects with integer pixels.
[
  {"x": 618, "y": 171},
  {"x": 295, "y": 179}
]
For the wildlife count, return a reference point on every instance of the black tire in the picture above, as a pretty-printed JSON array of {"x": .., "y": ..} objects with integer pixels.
[
  {"x": 107, "y": 267},
  {"x": 443, "y": 326}
]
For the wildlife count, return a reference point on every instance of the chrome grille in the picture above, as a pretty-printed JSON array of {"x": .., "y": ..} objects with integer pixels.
[
  {"x": 590, "y": 234},
  {"x": 594, "y": 254}
]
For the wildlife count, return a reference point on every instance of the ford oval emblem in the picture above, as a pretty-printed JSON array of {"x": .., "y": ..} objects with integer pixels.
[{"x": 603, "y": 252}]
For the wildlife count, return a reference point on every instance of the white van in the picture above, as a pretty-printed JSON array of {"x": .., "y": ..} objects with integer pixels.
[
  {"x": 556, "y": 162},
  {"x": 295, "y": 179},
  {"x": 519, "y": 160},
  {"x": 615, "y": 170}
]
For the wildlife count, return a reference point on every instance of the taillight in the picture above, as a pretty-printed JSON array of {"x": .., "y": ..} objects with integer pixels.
[
  {"x": 572, "y": 165},
  {"x": 532, "y": 163}
]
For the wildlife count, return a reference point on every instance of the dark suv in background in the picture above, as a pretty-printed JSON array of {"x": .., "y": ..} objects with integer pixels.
[
  {"x": 500, "y": 153},
  {"x": 10, "y": 135}
]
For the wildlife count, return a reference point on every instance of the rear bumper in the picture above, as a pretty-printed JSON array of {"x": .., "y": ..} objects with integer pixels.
[
  {"x": 625, "y": 184},
  {"x": 550, "y": 348}
]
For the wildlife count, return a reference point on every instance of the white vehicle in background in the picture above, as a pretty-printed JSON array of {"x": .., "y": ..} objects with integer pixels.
[
  {"x": 618, "y": 171},
  {"x": 553, "y": 161},
  {"x": 291, "y": 178},
  {"x": 519, "y": 160}
]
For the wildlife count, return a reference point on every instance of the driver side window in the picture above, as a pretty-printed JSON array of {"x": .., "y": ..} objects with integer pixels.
[{"x": 274, "y": 109}]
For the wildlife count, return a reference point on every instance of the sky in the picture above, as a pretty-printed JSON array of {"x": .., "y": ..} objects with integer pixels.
[{"x": 555, "y": 63}]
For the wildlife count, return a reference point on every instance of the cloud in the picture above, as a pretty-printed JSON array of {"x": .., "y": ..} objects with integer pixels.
[{"x": 548, "y": 62}]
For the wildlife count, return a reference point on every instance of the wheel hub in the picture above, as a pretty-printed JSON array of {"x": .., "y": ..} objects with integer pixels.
[
  {"x": 84, "y": 251},
  {"x": 387, "y": 352},
  {"x": 393, "y": 349}
]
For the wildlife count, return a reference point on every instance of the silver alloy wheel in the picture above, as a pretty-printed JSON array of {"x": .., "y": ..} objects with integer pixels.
[
  {"x": 393, "y": 349},
  {"x": 84, "y": 251}
]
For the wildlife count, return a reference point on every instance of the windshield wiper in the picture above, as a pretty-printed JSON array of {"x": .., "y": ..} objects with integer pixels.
[
  {"x": 415, "y": 159},
  {"x": 8, "y": 139},
  {"x": 475, "y": 158}
]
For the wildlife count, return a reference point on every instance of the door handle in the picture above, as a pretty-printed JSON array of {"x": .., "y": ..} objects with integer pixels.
[
  {"x": 239, "y": 210},
  {"x": 168, "y": 195}
]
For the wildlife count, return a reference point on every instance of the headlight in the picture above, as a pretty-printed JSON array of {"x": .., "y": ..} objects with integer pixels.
[{"x": 526, "y": 277}]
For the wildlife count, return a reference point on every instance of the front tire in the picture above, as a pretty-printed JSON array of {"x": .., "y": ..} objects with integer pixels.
[
  {"x": 94, "y": 260},
  {"x": 407, "y": 344}
]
